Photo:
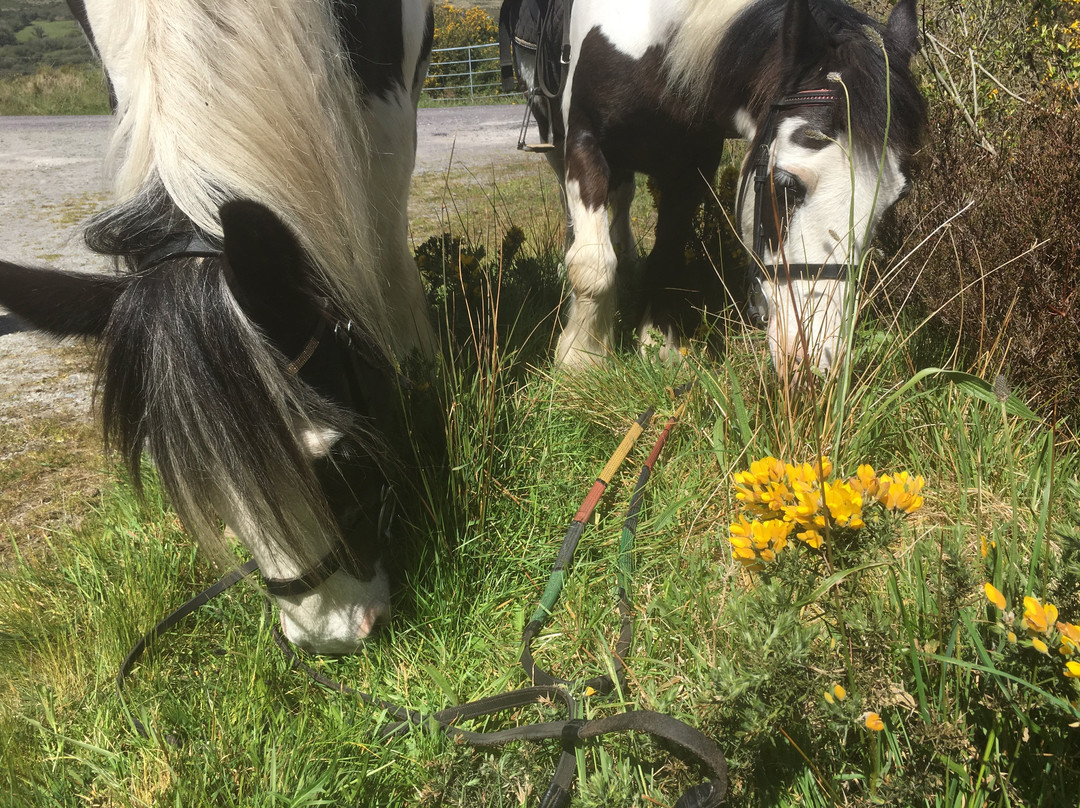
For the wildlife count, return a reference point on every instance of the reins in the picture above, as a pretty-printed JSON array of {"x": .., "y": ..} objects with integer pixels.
[{"x": 573, "y": 731}]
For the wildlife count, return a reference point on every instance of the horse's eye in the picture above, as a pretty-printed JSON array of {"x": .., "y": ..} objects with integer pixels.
[{"x": 788, "y": 187}]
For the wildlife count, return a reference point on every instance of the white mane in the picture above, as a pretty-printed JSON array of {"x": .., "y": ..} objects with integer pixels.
[
  {"x": 223, "y": 99},
  {"x": 692, "y": 51}
]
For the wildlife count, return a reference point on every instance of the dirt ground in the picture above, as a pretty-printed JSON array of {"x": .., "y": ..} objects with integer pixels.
[{"x": 53, "y": 174}]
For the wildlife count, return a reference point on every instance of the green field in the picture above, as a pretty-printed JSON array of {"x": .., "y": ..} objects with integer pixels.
[
  {"x": 893, "y": 614},
  {"x": 49, "y": 29}
]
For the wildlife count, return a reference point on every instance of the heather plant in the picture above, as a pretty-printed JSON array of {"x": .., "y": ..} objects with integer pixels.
[{"x": 988, "y": 234}]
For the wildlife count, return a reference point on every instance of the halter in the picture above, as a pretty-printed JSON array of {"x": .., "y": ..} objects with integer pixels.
[
  {"x": 336, "y": 560},
  {"x": 199, "y": 245},
  {"x": 180, "y": 245},
  {"x": 759, "y": 168}
]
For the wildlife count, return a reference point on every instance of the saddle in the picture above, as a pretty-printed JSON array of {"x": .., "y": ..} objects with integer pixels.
[{"x": 543, "y": 27}]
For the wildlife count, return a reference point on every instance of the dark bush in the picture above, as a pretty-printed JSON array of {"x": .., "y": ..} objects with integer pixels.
[{"x": 1004, "y": 274}]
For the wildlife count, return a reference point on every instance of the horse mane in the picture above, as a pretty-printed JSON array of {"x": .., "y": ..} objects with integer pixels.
[
  {"x": 695, "y": 43},
  {"x": 747, "y": 41},
  {"x": 241, "y": 100},
  {"x": 220, "y": 101}
]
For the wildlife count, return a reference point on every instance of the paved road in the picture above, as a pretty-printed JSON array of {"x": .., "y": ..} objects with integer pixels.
[
  {"x": 477, "y": 137},
  {"x": 49, "y": 163}
]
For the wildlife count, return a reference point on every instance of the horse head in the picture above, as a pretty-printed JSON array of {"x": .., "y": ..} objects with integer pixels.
[
  {"x": 832, "y": 138},
  {"x": 258, "y": 405}
]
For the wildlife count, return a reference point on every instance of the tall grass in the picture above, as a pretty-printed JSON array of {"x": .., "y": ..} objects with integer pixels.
[{"x": 895, "y": 614}]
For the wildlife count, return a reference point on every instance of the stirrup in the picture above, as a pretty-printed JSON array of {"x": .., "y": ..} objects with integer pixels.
[{"x": 539, "y": 148}]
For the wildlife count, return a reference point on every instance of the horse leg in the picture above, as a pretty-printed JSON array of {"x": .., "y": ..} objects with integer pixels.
[
  {"x": 590, "y": 261},
  {"x": 669, "y": 286},
  {"x": 620, "y": 198}
]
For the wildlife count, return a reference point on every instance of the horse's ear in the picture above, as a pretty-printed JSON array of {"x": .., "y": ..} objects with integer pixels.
[
  {"x": 802, "y": 40},
  {"x": 264, "y": 265},
  {"x": 65, "y": 304},
  {"x": 902, "y": 31}
]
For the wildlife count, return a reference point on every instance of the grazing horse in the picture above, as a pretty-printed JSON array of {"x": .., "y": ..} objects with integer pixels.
[
  {"x": 826, "y": 100},
  {"x": 264, "y": 293}
]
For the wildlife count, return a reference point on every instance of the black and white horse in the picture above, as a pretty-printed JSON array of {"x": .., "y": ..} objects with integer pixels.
[
  {"x": 264, "y": 291},
  {"x": 822, "y": 93}
]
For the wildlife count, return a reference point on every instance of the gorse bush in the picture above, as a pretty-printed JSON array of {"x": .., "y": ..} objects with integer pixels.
[
  {"x": 1000, "y": 168},
  {"x": 780, "y": 499},
  {"x": 457, "y": 27}
]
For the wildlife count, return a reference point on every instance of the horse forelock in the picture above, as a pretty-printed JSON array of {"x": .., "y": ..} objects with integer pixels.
[
  {"x": 240, "y": 100},
  {"x": 874, "y": 100},
  {"x": 186, "y": 378}
]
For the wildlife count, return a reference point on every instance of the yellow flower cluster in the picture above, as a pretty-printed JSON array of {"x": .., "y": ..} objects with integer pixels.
[
  {"x": 1040, "y": 624},
  {"x": 780, "y": 499}
]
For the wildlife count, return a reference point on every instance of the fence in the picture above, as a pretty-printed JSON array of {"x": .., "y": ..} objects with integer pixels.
[{"x": 468, "y": 73}]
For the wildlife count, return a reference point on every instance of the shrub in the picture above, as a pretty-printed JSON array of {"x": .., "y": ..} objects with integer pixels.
[
  {"x": 457, "y": 28},
  {"x": 1004, "y": 133},
  {"x": 1004, "y": 274}
]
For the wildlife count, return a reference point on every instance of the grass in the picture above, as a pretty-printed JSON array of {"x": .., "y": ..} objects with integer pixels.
[
  {"x": 895, "y": 613},
  {"x": 48, "y": 28},
  {"x": 69, "y": 90}
]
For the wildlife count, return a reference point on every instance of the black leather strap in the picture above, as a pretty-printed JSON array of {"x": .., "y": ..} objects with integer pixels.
[
  {"x": 181, "y": 245},
  {"x": 168, "y": 622}
]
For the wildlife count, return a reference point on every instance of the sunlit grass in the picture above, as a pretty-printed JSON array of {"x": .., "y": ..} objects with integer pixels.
[
  {"x": 70, "y": 90},
  {"x": 897, "y": 617}
]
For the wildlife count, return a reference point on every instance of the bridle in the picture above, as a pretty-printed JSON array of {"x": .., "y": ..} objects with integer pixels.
[
  {"x": 760, "y": 169},
  {"x": 339, "y": 558},
  {"x": 195, "y": 244}
]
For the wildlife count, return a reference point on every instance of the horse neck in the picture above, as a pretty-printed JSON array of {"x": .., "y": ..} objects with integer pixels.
[{"x": 699, "y": 46}]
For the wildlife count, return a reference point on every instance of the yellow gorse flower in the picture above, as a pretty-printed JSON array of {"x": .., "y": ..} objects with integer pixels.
[
  {"x": 779, "y": 498},
  {"x": 873, "y": 721},
  {"x": 1038, "y": 618},
  {"x": 1070, "y": 638},
  {"x": 901, "y": 492},
  {"x": 844, "y": 503},
  {"x": 1072, "y": 669},
  {"x": 865, "y": 480},
  {"x": 994, "y": 596}
]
